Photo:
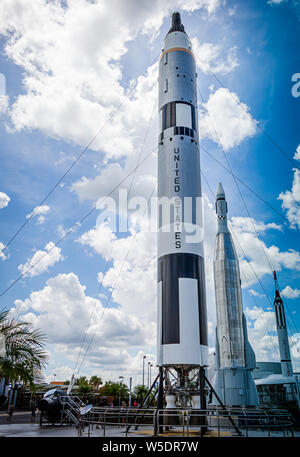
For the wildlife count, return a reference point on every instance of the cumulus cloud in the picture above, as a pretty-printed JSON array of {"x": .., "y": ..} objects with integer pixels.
[
  {"x": 254, "y": 293},
  {"x": 2, "y": 255},
  {"x": 70, "y": 54},
  {"x": 4, "y": 103},
  {"x": 263, "y": 337},
  {"x": 210, "y": 57},
  {"x": 258, "y": 252},
  {"x": 289, "y": 292},
  {"x": 291, "y": 198},
  {"x": 4, "y": 200},
  {"x": 39, "y": 211},
  {"x": 252, "y": 226},
  {"x": 231, "y": 119},
  {"x": 41, "y": 261},
  {"x": 62, "y": 310},
  {"x": 275, "y": 2}
]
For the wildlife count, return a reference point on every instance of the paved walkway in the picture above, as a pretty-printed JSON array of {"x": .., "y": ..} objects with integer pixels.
[
  {"x": 18, "y": 417},
  {"x": 34, "y": 430}
]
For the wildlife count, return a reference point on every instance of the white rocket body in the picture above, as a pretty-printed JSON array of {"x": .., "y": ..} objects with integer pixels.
[
  {"x": 234, "y": 356},
  {"x": 182, "y": 322}
]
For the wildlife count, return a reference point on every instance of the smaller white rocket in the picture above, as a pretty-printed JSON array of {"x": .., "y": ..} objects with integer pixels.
[
  {"x": 283, "y": 339},
  {"x": 235, "y": 358}
]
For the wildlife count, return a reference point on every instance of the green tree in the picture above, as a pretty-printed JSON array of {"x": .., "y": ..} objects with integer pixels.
[
  {"x": 84, "y": 388},
  {"x": 81, "y": 380},
  {"x": 24, "y": 354},
  {"x": 95, "y": 381},
  {"x": 139, "y": 392},
  {"x": 118, "y": 390}
]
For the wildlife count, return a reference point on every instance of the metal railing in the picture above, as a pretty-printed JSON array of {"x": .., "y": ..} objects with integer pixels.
[
  {"x": 71, "y": 408},
  {"x": 187, "y": 422}
]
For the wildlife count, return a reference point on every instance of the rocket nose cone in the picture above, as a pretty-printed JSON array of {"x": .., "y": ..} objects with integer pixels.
[
  {"x": 220, "y": 191},
  {"x": 176, "y": 19},
  {"x": 176, "y": 25}
]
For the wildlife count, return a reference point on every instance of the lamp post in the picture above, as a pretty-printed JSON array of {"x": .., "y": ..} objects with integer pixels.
[
  {"x": 149, "y": 363},
  {"x": 150, "y": 375},
  {"x": 144, "y": 370},
  {"x": 120, "y": 377},
  {"x": 130, "y": 389}
]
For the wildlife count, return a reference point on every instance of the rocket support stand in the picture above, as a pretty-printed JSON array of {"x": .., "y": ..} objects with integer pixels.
[
  {"x": 143, "y": 402},
  {"x": 159, "y": 405},
  {"x": 223, "y": 406}
]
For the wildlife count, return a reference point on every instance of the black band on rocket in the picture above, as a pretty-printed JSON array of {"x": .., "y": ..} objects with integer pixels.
[{"x": 171, "y": 267}]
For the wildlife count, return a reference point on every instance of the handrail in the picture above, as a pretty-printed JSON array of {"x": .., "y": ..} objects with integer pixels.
[{"x": 248, "y": 420}]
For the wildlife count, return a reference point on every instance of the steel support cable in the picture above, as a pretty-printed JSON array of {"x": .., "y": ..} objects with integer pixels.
[
  {"x": 75, "y": 226},
  {"x": 248, "y": 263},
  {"x": 243, "y": 200},
  {"x": 114, "y": 285},
  {"x": 78, "y": 158},
  {"x": 243, "y": 183},
  {"x": 236, "y": 183},
  {"x": 279, "y": 148},
  {"x": 115, "y": 282},
  {"x": 93, "y": 308},
  {"x": 109, "y": 257}
]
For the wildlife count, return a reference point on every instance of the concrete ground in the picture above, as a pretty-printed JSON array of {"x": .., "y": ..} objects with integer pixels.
[
  {"x": 18, "y": 417},
  {"x": 34, "y": 430}
]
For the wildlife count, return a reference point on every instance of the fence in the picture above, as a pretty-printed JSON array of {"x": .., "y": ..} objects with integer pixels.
[{"x": 178, "y": 422}]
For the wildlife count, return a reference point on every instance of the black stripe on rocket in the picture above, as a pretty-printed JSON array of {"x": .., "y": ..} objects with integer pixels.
[{"x": 171, "y": 267}]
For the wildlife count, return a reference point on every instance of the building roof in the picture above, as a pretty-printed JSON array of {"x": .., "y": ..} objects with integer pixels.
[{"x": 275, "y": 379}]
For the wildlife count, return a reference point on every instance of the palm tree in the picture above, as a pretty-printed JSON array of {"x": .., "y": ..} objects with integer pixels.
[
  {"x": 95, "y": 381},
  {"x": 24, "y": 355},
  {"x": 140, "y": 392}
]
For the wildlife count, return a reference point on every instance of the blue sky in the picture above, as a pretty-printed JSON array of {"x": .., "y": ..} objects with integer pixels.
[{"x": 65, "y": 72}]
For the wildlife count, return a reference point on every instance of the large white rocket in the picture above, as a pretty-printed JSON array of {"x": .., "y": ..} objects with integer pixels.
[
  {"x": 235, "y": 358},
  {"x": 182, "y": 322}
]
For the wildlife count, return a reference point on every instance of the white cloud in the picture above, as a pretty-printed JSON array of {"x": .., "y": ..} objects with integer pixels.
[
  {"x": 2, "y": 255},
  {"x": 210, "y": 57},
  {"x": 257, "y": 251},
  {"x": 39, "y": 211},
  {"x": 291, "y": 198},
  {"x": 288, "y": 292},
  {"x": 62, "y": 310},
  {"x": 254, "y": 293},
  {"x": 297, "y": 153},
  {"x": 250, "y": 225},
  {"x": 275, "y": 2},
  {"x": 263, "y": 337},
  {"x": 232, "y": 122},
  {"x": 44, "y": 260},
  {"x": 70, "y": 55},
  {"x": 4, "y": 103},
  {"x": 4, "y": 200}
]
